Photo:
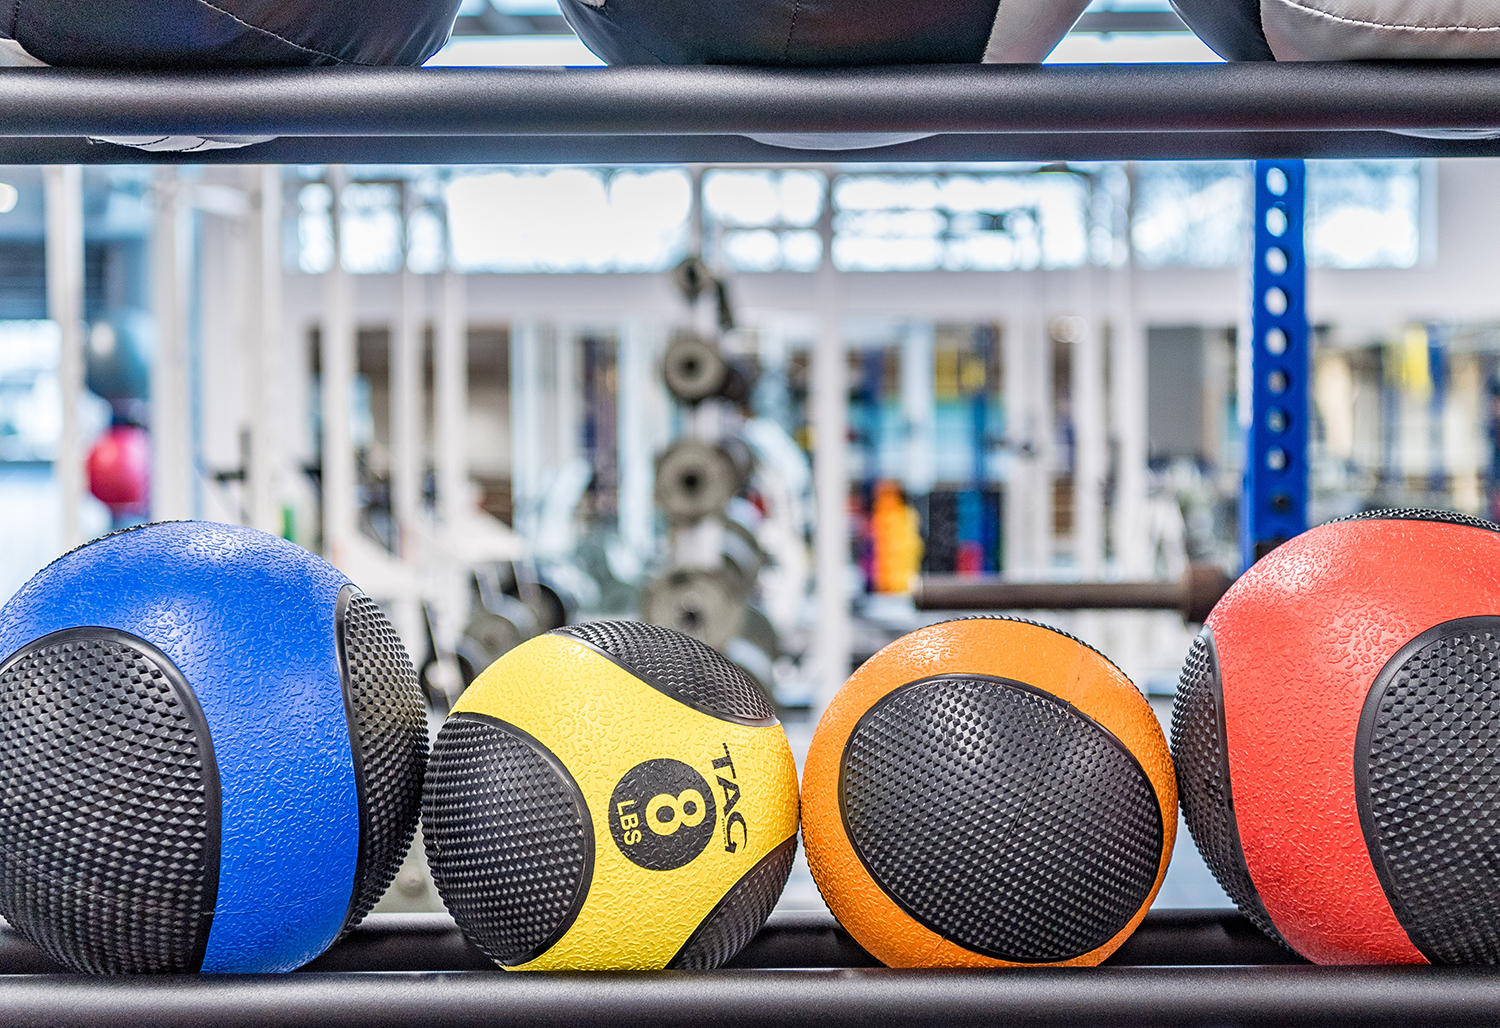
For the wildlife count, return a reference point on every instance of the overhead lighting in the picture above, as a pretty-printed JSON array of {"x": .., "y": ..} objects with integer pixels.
[
  {"x": 513, "y": 51},
  {"x": 1132, "y": 48},
  {"x": 8, "y": 197},
  {"x": 536, "y": 7}
]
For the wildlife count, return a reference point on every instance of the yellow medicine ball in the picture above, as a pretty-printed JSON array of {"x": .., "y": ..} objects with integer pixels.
[{"x": 611, "y": 795}]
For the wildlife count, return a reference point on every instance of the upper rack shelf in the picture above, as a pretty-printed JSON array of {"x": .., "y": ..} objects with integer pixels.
[{"x": 674, "y": 115}]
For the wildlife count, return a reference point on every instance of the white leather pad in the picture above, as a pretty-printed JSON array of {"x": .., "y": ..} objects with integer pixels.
[{"x": 1348, "y": 30}]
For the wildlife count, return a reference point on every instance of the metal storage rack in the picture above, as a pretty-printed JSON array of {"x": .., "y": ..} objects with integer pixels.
[
  {"x": 673, "y": 115},
  {"x": 1181, "y": 967}
]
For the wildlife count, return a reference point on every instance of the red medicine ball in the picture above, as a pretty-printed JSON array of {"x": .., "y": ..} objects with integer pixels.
[
  {"x": 1337, "y": 740},
  {"x": 119, "y": 468}
]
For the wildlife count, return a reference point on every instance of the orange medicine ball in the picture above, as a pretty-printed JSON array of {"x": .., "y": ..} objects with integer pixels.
[{"x": 989, "y": 792}]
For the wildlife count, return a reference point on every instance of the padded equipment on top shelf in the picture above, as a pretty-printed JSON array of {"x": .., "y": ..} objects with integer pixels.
[
  {"x": 211, "y": 751},
  {"x": 1335, "y": 733},
  {"x": 213, "y": 34},
  {"x": 611, "y": 795},
  {"x": 802, "y": 33},
  {"x": 1344, "y": 30},
  {"x": 989, "y": 792},
  {"x": 183, "y": 34}
]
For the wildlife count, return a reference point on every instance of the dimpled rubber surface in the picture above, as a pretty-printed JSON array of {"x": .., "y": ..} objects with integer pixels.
[
  {"x": 508, "y": 837},
  {"x": 680, "y": 666},
  {"x": 609, "y": 731},
  {"x": 249, "y": 621},
  {"x": 1434, "y": 791},
  {"x": 1000, "y": 817},
  {"x": 105, "y": 834},
  {"x": 390, "y": 723},
  {"x": 1447, "y": 517},
  {"x": 740, "y": 914},
  {"x": 989, "y": 648},
  {"x": 1012, "y": 619},
  {"x": 1203, "y": 780}
]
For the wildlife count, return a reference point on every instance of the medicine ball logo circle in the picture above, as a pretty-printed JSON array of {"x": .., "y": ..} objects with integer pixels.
[{"x": 662, "y": 814}]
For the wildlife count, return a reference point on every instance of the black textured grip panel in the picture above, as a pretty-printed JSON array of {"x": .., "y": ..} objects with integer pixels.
[
  {"x": 731, "y": 925},
  {"x": 508, "y": 836},
  {"x": 1203, "y": 786},
  {"x": 1428, "y": 787},
  {"x": 1450, "y": 517},
  {"x": 388, "y": 721},
  {"x": 680, "y": 666},
  {"x": 110, "y": 816},
  {"x": 1000, "y": 817}
]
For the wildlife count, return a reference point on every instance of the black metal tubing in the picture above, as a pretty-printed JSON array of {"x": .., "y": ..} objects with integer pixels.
[
  {"x": 955, "y": 592},
  {"x": 431, "y": 942},
  {"x": 675, "y": 115},
  {"x": 1007, "y": 146},
  {"x": 792, "y": 939},
  {"x": 1181, "y": 938},
  {"x": 419, "y": 971},
  {"x": 1194, "y": 596},
  {"x": 1326, "y": 997},
  {"x": 622, "y": 101},
  {"x": 403, "y": 942},
  {"x": 718, "y": 100}
]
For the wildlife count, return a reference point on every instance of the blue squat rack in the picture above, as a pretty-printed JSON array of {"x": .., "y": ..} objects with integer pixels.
[{"x": 1273, "y": 507}]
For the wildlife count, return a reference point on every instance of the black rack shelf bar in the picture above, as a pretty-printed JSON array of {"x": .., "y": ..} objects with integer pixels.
[
  {"x": 1242, "y": 996},
  {"x": 432, "y": 942},
  {"x": 655, "y": 115},
  {"x": 731, "y": 149},
  {"x": 626, "y": 101},
  {"x": 802, "y": 969}
]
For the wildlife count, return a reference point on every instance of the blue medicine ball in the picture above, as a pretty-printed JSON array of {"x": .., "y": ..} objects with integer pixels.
[
  {"x": 211, "y": 753},
  {"x": 228, "y": 33}
]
